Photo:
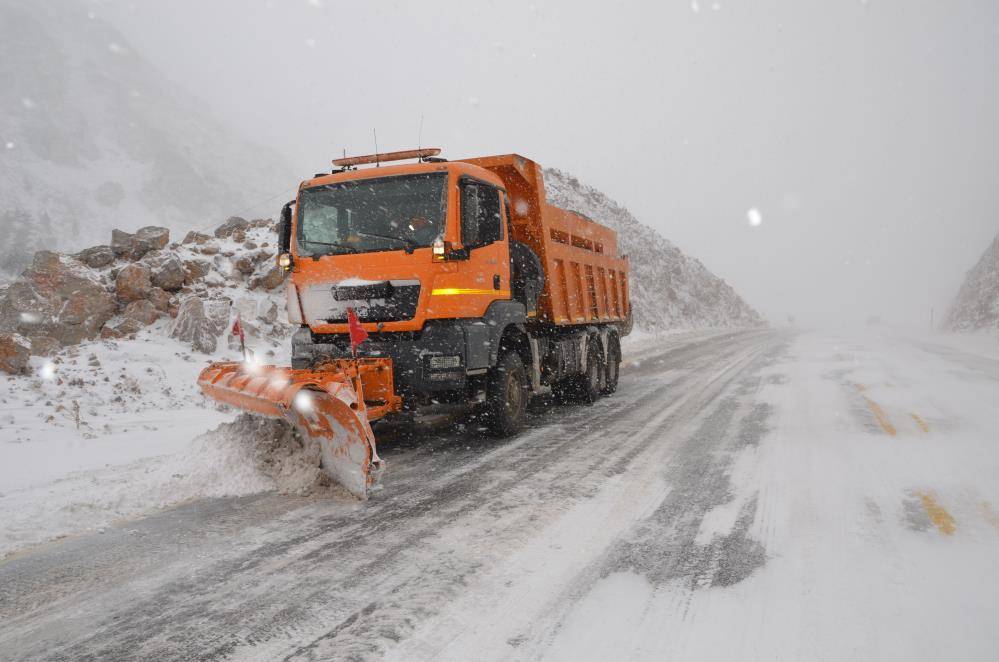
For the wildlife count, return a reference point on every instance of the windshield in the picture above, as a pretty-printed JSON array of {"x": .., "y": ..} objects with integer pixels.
[{"x": 390, "y": 213}]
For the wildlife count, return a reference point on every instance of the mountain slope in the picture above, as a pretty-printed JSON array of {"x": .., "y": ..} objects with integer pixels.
[
  {"x": 93, "y": 137},
  {"x": 977, "y": 303},
  {"x": 668, "y": 289}
]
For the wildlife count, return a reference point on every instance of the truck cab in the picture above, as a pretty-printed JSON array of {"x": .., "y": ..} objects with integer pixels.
[{"x": 420, "y": 252}]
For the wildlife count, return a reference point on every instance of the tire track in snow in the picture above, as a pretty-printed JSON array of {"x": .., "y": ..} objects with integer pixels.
[{"x": 311, "y": 575}]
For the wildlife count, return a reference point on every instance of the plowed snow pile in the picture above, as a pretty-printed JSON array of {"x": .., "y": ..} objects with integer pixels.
[{"x": 245, "y": 456}]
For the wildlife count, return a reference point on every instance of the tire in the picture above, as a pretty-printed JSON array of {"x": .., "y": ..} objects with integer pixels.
[
  {"x": 593, "y": 381},
  {"x": 613, "y": 369},
  {"x": 507, "y": 396}
]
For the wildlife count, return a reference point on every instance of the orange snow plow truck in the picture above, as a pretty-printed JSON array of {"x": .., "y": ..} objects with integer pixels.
[{"x": 474, "y": 293}]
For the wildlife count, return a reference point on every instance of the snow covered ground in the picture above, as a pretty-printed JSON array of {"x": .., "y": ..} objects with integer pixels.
[
  {"x": 745, "y": 495},
  {"x": 140, "y": 445}
]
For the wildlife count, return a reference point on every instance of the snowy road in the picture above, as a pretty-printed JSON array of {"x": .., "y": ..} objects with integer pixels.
[{"x": 751, "y": 495}]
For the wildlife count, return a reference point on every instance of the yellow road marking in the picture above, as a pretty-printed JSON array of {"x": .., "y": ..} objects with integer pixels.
[
  {"x": 990, "y": 515},
  {"x": 938, "y": 515},
  {"x": 882, "y": 418},
  {"x": 920, "y": 422}
]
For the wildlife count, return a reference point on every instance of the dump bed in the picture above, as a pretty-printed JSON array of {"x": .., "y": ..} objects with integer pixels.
[{"x": 586, "y": 280}]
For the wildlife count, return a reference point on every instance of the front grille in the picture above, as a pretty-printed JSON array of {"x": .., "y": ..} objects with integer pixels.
[{"x": 387, "y": 301}]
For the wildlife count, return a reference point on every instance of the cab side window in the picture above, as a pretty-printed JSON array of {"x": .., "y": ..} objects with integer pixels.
[{"x": 481, "y": 223}]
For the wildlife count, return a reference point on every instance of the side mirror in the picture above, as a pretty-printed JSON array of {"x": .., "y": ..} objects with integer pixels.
[{"x": 284, "y": 229}]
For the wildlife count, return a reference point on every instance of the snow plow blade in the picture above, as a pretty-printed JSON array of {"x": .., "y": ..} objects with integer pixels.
[{"x": 332, "y": 405}]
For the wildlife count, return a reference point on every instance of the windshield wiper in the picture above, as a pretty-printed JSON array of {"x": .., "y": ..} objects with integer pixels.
[
  {"x": 410, "y": 244},
  {"x": 346, "y": 247}
]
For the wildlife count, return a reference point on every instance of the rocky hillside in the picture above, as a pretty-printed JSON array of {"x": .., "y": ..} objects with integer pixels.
[
  {"x": 189, "y": 291},
  {"x": 976, "y": 306},
  {"x": 669, "y": 290},
  {"x": 92, "y": 137}
]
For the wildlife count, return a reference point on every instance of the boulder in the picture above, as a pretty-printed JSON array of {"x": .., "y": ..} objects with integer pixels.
[
  {"x": 43, "y": 345},
  {"x": 96, "y": 257},
  {"x": 133, "y": 283},
  {"x": 57, "y": 297},
  {"x": 155, "y": 236},
  {"x": 267, "y": 311},
  {"x": 200, "y": 323},
  {"x": 14, "y": 352},
  {"x": 134, "y": 246},
  {"x": 232, "y": 225},
  {"x": 121, "y": 242},
  {"x": 195, "y": 237},
  {"x": 169, "y": 274},
  {"x": 269, "y": 279},
  {"x": 244, "y": 264},
  {"x": 196, "y": 270},
  {"x": 160, "y": 299},
  {"x": 143, "y": 312}
]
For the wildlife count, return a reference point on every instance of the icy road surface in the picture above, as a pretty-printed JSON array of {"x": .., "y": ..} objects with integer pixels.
[{"x": 753, "y": 495}]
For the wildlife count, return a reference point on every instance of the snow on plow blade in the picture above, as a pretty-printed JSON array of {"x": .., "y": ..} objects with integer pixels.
[{"x": 331, "y": 405}]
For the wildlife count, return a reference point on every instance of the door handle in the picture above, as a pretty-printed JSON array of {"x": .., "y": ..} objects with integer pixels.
[{"x": 496, "y": 281}]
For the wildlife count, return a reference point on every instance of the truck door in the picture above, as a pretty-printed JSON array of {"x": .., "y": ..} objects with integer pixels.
[{"x": 486, "y": 273}]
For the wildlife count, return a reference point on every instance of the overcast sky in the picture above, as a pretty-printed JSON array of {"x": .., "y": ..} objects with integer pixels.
[{"x": 866, "y": 134}]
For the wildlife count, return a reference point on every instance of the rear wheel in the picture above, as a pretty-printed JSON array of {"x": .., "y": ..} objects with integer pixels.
[
  {"x": 507, "y": 396},
  {"x": 613, "y": 370},
  {"x": 593, "y": 381}
]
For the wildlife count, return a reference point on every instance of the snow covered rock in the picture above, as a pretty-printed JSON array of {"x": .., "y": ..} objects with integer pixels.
[
  {"x": 96, "y": 257},
  {"x": 57, "y": 297},
  {"x": 195, "y": 237},
  {"x": 143, "y": 312},
  {"x": 14, "y": 352},
  {"x": 133, "y": 283},
  {"x": 135, "y": 246},
  {"x": 168, "y": 273},
  {"x": 233, "y": 225},
  {"x": 267, "y": 277},
  {"x": 200, "y": 323},
  {"x": 977, "y": 303}
]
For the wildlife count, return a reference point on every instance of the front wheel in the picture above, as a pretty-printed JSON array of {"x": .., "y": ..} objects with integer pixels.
[{"x": 506, "y": 396}]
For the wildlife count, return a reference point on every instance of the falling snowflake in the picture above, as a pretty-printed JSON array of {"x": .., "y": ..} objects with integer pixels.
[
  {"x": 695, "y": 6},
  {"x": 47, "y": 371},
  {"x": 9, "y": 145},
  {"x": 115, "y": 48},
  {"x": 754, "y": 216},
  {"x": 310, "y": 42},
  {"x": 27, "y": 103}
]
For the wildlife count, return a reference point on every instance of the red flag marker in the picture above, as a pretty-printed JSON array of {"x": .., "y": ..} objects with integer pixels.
[
  {"x": 237, "y": 330},
  {"x": 357, "y": 332}
]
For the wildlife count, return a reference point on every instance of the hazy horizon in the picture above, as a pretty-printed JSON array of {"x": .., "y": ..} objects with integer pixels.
[{"x": 859, "y": 138}]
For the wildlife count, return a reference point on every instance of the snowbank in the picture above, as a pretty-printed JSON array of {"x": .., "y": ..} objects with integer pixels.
[{"x": 245, "y": 456}]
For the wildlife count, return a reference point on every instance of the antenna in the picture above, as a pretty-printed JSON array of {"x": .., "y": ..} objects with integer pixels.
[
  {"x": 419, "y": 139},
  {"x": 375, "y": 132}
]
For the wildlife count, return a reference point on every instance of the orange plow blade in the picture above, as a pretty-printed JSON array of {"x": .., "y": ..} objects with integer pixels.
[{"x": 332, "y": 405}]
